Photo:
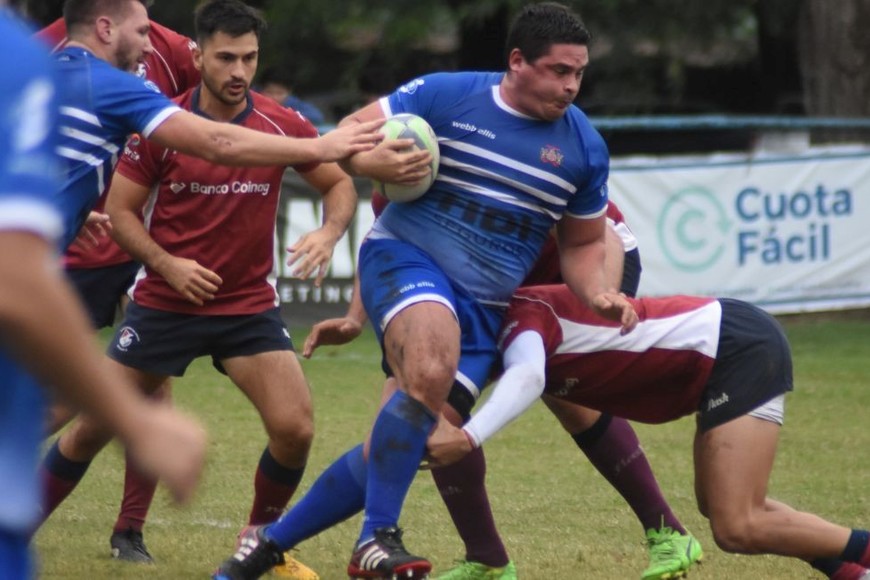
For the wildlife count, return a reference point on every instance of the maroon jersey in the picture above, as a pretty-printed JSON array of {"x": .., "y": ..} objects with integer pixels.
[
  {"x": 547, "y": 269},
  {"x": 653, "y": 374},
  {"x": 222, "y": 217},
  {"x": 170, "y": 67}
]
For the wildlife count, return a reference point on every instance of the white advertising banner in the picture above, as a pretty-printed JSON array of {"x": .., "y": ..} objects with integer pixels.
[{"x": 789, "y": 233}]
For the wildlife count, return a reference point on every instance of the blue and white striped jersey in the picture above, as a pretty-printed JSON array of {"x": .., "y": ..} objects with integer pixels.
[
  {"x": 100, "y": 107},
  {"x": 28, "y": 180},
  {"x": 505, "y": 178}
]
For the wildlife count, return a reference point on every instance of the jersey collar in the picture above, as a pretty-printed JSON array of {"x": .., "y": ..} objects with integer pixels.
[{"x": 237, "y": 120}]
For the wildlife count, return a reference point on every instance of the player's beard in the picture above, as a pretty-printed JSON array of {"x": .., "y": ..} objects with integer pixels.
[
  {"x": 126, "y": 58},
  {"x": 222, "y": 93}
]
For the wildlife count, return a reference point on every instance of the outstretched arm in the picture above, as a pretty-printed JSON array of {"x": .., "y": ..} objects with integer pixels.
[
  {"x": 230, "y": 144},
  {"x": 518, "y": 388}
]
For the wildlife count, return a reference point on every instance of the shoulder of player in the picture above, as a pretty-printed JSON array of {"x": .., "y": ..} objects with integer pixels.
[
  {"x": 166, "y": 38},
  {"x": 454, "y": 84},
  {"x": 285, "y": 119}
]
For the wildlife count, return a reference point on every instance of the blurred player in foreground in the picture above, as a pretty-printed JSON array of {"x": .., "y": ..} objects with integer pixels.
[
  {"x": 35, "y": 301},
  {"x": 724, "y": 360}
]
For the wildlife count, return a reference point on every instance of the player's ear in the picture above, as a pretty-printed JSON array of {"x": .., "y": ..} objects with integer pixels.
[
  {"x": 105, "y": 29},
  {"x": 196, "y": 53}
]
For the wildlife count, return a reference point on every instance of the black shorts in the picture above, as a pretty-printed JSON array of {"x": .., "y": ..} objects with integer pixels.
[
  {"x": 101, "y": 289},
  {"x": 631, "y": 269},
  {"x": 753, "y": 365},
  {"x": 165, "y": 343}
]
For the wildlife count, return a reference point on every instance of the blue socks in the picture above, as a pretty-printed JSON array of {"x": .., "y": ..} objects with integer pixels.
[
  {"x": 337, "y": 494},
  {"x": 398, "y": 443}
]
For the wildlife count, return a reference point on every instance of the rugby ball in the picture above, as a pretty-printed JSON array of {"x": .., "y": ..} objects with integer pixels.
[{"x": 408, "y": 126}]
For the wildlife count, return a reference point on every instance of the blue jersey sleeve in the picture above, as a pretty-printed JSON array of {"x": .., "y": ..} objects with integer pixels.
[
  {"x": 590, "y": 199},
  {"x": 425, "y": 96},
  {"x": 135, "y": 103},
  {"x": 100, "y": 107}
]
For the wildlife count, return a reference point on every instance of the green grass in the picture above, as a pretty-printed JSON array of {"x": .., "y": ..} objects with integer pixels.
[{"x": 558, "y": 517}]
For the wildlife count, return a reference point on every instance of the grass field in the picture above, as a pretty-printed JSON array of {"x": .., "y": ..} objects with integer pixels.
[{"x": 558, "y": 517}]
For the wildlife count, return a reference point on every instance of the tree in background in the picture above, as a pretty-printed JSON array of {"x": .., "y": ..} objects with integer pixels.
[{"x": 648, "y": 56}]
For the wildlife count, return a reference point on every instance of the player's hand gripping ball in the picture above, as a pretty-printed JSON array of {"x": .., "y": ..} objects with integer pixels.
[{"x": 408, "y": 126}]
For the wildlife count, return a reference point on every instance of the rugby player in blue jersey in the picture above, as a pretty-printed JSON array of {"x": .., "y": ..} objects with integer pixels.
[
  {"x": 36, "y": 301},
  {"x": 436, "y": 274}
]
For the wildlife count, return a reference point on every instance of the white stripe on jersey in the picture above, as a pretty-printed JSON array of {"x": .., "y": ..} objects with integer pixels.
[
  {"x": 81, "y": 115},
  {"x": 90, "y": 139},
  {"x": 507, "y": 162},
  {"x": 696, "y": 330},
  {"x": 27, "y": 214},
  {"x": 159, "y": 118},
  {"x": 77, "y": 155},
  {"x": 508, "y": 199},
  {"x": 466, "y": 168}
]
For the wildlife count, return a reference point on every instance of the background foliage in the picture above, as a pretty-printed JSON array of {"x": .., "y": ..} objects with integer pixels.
[{"x": 649, "y": 56}]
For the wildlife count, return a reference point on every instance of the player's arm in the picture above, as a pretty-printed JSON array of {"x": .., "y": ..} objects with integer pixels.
[
  {"x": 35, "y": 302},
  {"x": 124, "y": 204},
  {"x": 313, "y": 251},
  {"x": 386, "y": 162},
  {"x": 582, "y": 251},
  {"x": 338, "y": 330},
  {"x": 230, "y": 144},
  {"x": 518, "y": 388}
]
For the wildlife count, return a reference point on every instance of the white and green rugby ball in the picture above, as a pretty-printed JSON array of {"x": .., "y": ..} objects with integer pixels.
[{"x": 408, "y": 126}]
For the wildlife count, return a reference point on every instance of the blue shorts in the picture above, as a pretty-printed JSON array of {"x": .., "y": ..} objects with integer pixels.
[
  {"x": 165, "y": 343},
  {"x": 753, "y": 365},
  {"x": 101, "y": 289},
  {"x": 394, "y": 275},
  {"x": 16, "y": 561}
]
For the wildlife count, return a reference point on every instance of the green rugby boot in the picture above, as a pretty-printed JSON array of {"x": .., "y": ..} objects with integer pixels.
[
  {"x": 671, "y": 554},
  {"x": 477, "y": 571}
]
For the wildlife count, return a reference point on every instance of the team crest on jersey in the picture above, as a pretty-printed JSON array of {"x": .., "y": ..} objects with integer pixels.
[
  {"x": 551, "y": 154},
  {"x": 412, "y": 86},
  {"x": 126, "y": 338}
]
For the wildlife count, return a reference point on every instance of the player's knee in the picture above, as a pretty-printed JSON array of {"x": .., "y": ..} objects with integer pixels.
[
  {"x": 429, "y": 379},
  {"x": 292, "y": 431},
  {"x": 734, "y": 535}
]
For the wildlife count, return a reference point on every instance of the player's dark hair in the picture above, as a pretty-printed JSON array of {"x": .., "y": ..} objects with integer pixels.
[
  {"x": 232, "y": 17},
  {"x": 78, "y": 14},
  {"x": 538, "y": 26}
]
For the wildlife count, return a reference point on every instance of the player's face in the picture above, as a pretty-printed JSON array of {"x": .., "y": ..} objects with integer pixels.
[
  {"x": 228, "y": 65},
  {"x": 547, "y": 87},
  {"x": 132, "y": 44}
]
